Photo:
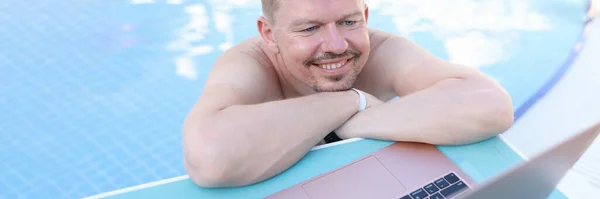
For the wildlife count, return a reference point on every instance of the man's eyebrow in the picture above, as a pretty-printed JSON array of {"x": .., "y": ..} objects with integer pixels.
[
  {"x": 309, "y": 21},
  {"x": 304, "y": 21},
  {"x": 352, "y": 14}
]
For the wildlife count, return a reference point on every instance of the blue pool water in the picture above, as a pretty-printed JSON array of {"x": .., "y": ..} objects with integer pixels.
[{"x": 93, "y": 93}]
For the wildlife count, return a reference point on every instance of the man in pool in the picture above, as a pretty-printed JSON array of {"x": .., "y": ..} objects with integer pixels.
[{"x": 303, "y": 79}]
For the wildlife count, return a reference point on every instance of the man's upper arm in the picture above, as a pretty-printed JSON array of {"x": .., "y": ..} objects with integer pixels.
[
  {"x": 414, "y": 68},
  {"x": 237, "y": 78}
]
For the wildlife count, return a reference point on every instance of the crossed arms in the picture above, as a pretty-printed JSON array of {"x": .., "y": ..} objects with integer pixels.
[{"x": 240, "y": 132}]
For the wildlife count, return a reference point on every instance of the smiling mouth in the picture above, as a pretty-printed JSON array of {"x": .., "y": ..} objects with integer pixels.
[{"x": 333, "y": 66}]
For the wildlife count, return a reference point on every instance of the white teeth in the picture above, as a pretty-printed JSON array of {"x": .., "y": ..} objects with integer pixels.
[{"x": 333, "y": 66}]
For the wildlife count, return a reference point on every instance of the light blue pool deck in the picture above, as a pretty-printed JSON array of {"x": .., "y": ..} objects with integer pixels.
[{"x": 93, "y": 93}]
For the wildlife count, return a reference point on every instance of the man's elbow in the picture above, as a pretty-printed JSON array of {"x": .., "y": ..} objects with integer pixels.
[
  {"x": 499, "y": 114},
  {"x": 212, "y": 174},
  {"x": 492, "y": 116},
  {"x": 206, "y": 176},
  {"x": 203, "y": 158},
  {"x": 505, "y": 119},
  {"x": 209, "y": 165}
]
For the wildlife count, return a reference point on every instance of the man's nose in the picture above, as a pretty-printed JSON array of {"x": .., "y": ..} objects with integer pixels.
[{"x": 333, "y": 41}]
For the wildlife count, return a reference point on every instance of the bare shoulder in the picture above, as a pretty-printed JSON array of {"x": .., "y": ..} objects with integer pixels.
[
  {"x": 390, "y": 54},
  {"x": 242, "y": 74},
  {"x": 410, "y": 66},
  {"x": 387, "y": 46}
]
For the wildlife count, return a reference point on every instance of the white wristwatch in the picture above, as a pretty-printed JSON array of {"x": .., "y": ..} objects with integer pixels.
[{"x": 363, "y": 100}]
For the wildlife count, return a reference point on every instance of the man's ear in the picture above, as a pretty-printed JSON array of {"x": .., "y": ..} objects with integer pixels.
[
  {"x": 266, "y": 32},
  {"x": 366, "y": 13}
]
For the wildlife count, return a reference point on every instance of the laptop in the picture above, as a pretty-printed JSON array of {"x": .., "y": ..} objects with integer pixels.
[{"x": 420, "y": 171}]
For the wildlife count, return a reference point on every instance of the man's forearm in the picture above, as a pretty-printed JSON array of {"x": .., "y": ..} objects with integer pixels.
[
  {"x": 451, "y": 112},
  {"x": 244, "y": 144}
]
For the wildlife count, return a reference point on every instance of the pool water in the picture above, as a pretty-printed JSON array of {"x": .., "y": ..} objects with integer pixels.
[{"x": 93, "y": 93}]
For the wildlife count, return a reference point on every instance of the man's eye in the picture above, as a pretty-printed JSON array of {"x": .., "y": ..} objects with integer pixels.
[
  {"x": 310, "y": 29},
  {"x": 349, "y": 23}
]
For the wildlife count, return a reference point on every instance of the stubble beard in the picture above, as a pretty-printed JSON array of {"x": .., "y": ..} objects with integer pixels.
[
  {"x": 350, "y": 77},
  {"x": 344, "y": 81},
  {"x": 314, "y": 84}
]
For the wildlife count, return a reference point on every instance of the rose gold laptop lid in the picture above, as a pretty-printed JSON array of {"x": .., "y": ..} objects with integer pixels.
[{"x": 538, "y": 177}]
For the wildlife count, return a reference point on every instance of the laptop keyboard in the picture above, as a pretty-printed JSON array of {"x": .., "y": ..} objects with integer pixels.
[{"x": 442, "y": 188}]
